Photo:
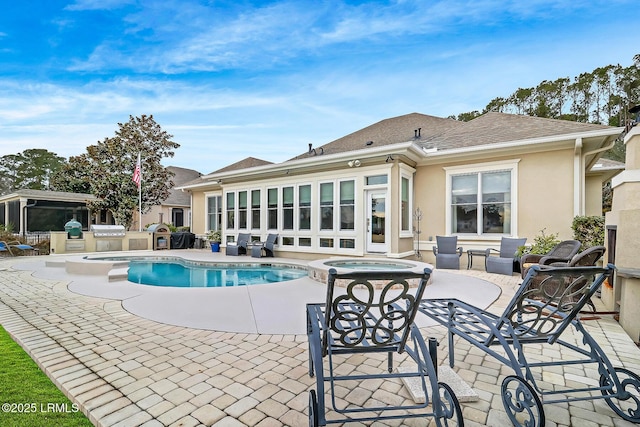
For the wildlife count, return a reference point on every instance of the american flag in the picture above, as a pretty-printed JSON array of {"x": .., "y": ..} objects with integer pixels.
[{"x": 137, "y": 175}]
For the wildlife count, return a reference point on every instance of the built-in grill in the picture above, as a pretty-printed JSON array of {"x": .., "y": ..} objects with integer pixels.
[{"x": 108, "y": 231}]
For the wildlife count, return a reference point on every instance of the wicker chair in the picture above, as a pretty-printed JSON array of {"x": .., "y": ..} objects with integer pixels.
[
  {"x": 562, "y": 252},
  {"x": 586, "y": 258}
]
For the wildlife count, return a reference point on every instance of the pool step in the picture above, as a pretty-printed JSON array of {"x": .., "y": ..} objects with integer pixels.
[{"x": 118, "y": 274}]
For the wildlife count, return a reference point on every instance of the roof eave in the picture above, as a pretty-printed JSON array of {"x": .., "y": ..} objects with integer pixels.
[
  {"x": 321, "y": 162},
  {"x": 602, "y": 135}
]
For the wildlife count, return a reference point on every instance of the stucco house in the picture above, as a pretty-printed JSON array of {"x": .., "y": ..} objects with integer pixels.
[
  {"x": 175, "y": 209},
  {"x": 369, "y": 192}
]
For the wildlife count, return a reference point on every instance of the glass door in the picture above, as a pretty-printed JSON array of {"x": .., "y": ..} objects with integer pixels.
[{"x": 376, "y": 221}]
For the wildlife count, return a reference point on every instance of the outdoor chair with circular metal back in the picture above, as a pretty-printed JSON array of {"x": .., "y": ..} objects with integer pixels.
[{"x": 373, "y": 315}]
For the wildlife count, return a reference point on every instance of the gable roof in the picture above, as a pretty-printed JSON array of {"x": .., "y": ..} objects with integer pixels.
[
  {"x": 181, "y": 176},
  {"x": 409, "y": 127},
  {"x": 245, "y": 163}
]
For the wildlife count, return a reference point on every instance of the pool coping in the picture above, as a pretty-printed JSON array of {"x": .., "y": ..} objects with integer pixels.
[{"x": 276, "y": 308}]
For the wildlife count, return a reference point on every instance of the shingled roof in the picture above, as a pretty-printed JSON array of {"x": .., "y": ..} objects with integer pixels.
[
  {"x": 436, "y": 132},
  {"x": 181, "y": 176},
  {"x": 248, "y": 162},
  {"x": 491, "y": 128},
  {"x": 410, "y": 127}
]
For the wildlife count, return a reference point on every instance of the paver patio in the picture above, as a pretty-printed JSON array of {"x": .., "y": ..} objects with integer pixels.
[{"x": 124, "y": 370}]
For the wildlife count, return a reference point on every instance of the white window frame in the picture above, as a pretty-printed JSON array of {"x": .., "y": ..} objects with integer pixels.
[
  {"x": 334, "y": 227},
  {"x": 406, "y": 174},
  {"x": 512, "y": 166},
  {"x": 277, "y": 208},
  {"x": 296, "y": 213},
  {"x": 340, "y": 232},
  {"x": 220, "y": 206},
  {"x": 252, "y": 210}
]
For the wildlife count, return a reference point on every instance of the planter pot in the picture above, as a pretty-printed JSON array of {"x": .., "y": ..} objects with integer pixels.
[{"x": 215, "y": 246}]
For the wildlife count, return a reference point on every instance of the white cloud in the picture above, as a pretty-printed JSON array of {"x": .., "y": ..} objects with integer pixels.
[{"x": 83, "y": 5}]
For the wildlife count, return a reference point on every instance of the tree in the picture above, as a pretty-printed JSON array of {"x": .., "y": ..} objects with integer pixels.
[
  {"x": 107, "y": 169},
  {"x": 467, "y": 117},
  {"x": 31, "y": 169},
  {"x": 74, "y": 176}
]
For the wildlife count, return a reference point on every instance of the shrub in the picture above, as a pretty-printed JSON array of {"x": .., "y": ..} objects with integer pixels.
[
  {"x": 542, "y": 244},
  {"x": 589, "y": 230},
  {"x": 214, "y": 236}
]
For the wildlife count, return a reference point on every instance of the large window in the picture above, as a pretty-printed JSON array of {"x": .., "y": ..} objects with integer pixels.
[
  {"x": 287, "y": 208},
  {"x": 405, "y": 207},
  {"x": 214, "y": 212},
  {"x": 481, "y": 202},
  {"x": 272, "y": 208},
  {"x": 347, "y": 204},
  {"x": 242, "y": 209},
  {"x": 255, "y": 209},
  {"x": 231, "y": 210},
  {"x": 326, "y": 206},
  {"x": 304, "y": 206}
]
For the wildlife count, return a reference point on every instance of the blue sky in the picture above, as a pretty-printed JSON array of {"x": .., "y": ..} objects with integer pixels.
[{"x": 237, "y": 78}]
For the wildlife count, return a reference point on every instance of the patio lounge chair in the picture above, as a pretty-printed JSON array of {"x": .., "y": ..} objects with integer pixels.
[
  {"x": 539, "y": 315},
  {"x": 266, "y": 247},
  {"x": 239, "y": 247},
  {"x": 504, "y": 263},
  {"x": 446, "y": 252},
  {"x": 562, "y": 252},
  {"x": 365, "y": 321},
  {"x": 10, "y": 247}
]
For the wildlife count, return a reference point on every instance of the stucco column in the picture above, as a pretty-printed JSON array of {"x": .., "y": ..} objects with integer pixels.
[{"x": 625, "y": 215}]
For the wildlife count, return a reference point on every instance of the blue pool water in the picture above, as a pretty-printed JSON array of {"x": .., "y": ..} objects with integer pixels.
[{"x": 177, "y": 274}]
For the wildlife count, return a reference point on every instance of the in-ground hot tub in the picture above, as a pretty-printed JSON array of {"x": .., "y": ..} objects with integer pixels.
[{"x": 319, "y": 270}]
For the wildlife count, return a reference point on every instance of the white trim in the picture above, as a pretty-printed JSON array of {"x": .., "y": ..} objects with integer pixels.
[
  {"x": 525, "y": 142},
  {"x": 627, "y": 176},
  {"x": 578, "y": 179},
  {"x": 409, "y": 231},
  {"x": 511, "y": 165}
]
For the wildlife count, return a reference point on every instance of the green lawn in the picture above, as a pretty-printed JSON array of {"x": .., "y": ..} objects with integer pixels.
[{"x": 27, "y": 396}]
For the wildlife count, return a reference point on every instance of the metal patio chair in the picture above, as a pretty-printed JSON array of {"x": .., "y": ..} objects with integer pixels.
[
  {"x": 260, "y": 249},
  {"x": 540, "y": 314},
  {"x": 504, "y": 263},
  {"x": 364, "y": 320},
  {"x": 240, "y": 247},
  {"x": 447, "y": 252}
]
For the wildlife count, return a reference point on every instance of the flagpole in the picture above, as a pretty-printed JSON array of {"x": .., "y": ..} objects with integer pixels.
[
  {"x": 140, "y": 197},
  {"x": 137, "y": 178}
]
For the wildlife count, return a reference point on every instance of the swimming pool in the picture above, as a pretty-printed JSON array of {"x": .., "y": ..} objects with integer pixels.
[{"x": 185, "y": 275}]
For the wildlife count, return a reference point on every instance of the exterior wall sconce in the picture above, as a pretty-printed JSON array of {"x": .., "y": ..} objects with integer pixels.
[{"x": 354, "y": 163}]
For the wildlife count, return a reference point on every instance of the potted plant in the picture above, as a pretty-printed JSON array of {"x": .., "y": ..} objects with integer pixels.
[{"x": 214, "y": 237}]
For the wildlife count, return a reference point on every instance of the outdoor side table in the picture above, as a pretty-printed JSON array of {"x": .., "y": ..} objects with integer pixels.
[{"x": 475, "y": 252}]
